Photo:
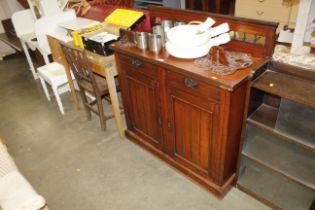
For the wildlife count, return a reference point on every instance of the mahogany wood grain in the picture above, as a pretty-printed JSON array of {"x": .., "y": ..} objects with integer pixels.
[
  {"x": 141, "y": 93},
  {"x": 236, "y": 110},
  {"x": 220, "y": 6},
  {"x": 196, "y": 116},
  {"x": 193, "y": 121},
  {"x": 164, "y": 60},
  {"x": 193, "y": 118}
]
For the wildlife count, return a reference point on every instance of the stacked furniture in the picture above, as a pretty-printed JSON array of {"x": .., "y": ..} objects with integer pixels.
[
  {"x": 143, "y": 4},
  {"x": 217, "y": 6},
  {"x": 187, "y": 116},
  {"x": 284, "y": 12},
  {"x": 278, "y": 154}
]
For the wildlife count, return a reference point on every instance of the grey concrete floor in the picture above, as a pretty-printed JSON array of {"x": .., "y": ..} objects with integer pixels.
[{"x": 76, "y": 166}]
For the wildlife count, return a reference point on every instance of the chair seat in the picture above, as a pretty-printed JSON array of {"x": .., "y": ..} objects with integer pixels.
[
  {"x": 53, "y": 73},
  {"x": 101, "y": 84},
  {"x": 30, "y": 40}
]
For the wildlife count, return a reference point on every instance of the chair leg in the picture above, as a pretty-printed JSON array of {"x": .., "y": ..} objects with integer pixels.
[
  {"x": 58, "y": 100},
  {"x": 101, "y": 113},
  {"x": 84, "y": 99},
  {"x": 29, "y": 59},
  {"x": 42, "y": 81}
]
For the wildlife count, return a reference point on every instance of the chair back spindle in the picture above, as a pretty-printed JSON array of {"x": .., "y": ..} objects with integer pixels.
[{"x": 80, "y": 66}]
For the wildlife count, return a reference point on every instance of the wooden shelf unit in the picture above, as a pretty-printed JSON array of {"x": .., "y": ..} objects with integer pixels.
[
  {"x": 144, "y": 4},
  {"x": 297, "y": 89},
  {"x": 275, "y": 190},
  {"x": 284, "y": 158},
  {"x": 277, "y": 159}
]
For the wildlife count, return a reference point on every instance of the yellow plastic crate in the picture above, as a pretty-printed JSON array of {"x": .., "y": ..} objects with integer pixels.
[{"x": 124, "y": 17}]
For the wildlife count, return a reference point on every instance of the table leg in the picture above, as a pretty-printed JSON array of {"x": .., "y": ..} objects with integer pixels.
[
  {"x": 71, "y": 85},
  {"x": 29, "y": 59},
  {"x": 114, "y": 99}
]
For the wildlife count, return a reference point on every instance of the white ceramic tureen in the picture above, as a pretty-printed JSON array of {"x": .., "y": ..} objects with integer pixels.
[{"x": 193, "y": 41}]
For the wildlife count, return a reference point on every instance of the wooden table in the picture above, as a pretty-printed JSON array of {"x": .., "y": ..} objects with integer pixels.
[{"x": 102, "y": 65}]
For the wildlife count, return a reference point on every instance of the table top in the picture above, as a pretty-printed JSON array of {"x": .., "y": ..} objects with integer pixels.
[
  {"x": 100, "y": 63},
  {"x": 78, "y": 23}
]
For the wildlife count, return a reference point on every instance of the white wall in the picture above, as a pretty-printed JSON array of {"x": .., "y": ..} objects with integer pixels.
[
  {"x": 311, "y": 17},
  {"x": 7, "y": 8}
]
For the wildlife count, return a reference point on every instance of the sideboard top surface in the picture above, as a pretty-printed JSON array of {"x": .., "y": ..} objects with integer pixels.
[{"x": 163, "y": 59}]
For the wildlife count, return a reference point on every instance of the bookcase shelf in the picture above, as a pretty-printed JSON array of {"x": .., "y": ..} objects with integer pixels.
[
  {"x": 273, "y": 189},
  {"x": 277, "y": 161},
  {"x": 283, "y": 157}
]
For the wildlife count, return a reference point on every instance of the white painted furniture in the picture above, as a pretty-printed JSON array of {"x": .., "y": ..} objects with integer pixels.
[
  {"x": 16, "y": 193},
  {"x": 49, "y": 25},
  {"x": 54, "y": 74},
  {"x": 305, "y": 17},
  {"x": 23, "y": 22}
]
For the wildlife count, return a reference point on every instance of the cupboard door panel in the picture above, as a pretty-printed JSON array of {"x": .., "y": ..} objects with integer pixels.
[
  {"x": 192, "y": 131},
  {"x": 144, "y": 108}
]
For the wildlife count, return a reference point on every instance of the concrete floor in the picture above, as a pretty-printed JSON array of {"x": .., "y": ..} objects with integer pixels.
[{"x": 76, "y": 166}]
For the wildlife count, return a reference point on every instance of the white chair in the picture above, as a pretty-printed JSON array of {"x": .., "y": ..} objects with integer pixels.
[
  {"x": 52, "y": 73},
  {"x": 55, "y": 75},
  {"x": 23, "y": 22},
  {"x": 50, "y": 25}
]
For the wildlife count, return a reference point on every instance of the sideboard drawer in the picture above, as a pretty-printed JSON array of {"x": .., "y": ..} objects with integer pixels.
[
  {"x": 192, "y": 86},
  {"x": 137, "y": 65}
]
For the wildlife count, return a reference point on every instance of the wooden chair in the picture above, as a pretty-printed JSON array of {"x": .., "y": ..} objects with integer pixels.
[{"x": 88, "y": 82}]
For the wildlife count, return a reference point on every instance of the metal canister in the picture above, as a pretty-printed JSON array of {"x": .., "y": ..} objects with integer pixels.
[
  {"x": 155, "y": 43},
  {"x": 167, "y": 24},
  {"x": 142, "y": 40},
  {"x": 158, "y": 29}
]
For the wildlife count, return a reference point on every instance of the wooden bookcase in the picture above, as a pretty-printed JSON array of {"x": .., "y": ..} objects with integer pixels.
[
  {"x": 277, "y": 160},
  {"x": 143, "y": 4}
]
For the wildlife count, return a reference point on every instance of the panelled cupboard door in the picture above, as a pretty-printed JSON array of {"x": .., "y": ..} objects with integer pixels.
[
  {"x": 143, "y": 106},
  {"x": 193, "y": 129}
]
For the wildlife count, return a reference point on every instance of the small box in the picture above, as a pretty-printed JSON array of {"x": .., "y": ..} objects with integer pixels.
[{"x": 99, "y": 42}]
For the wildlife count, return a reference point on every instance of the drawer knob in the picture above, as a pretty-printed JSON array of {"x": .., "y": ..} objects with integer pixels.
[
  {"x": 261, "y": 1},
  {"x": 136, "y": 62},
  {"x": 260, "y": 13},
  {"x": 190, "y": 83}
]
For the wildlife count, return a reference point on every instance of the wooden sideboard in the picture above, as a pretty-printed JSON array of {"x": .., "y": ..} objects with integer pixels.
[{"x": 187, "y": 116}]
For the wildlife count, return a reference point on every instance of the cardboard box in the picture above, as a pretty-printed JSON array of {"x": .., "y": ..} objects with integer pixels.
[{"x": 99, "y": 41}]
